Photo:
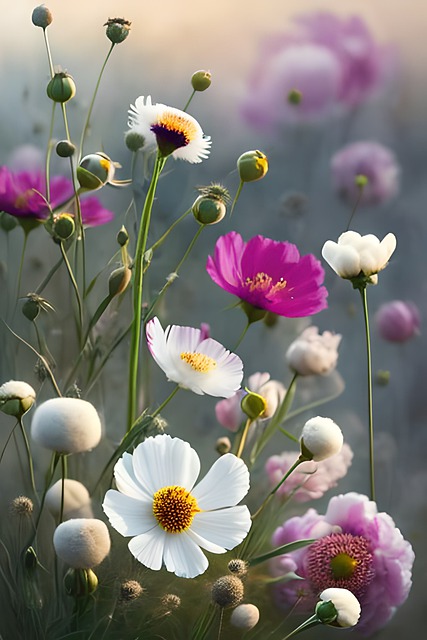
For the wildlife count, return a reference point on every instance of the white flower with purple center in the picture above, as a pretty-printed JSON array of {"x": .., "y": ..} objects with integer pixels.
[
  {"x": 173, "y": 131},
  {"x": 171, "y": 518},
  {"x": 200, "y": 364}
]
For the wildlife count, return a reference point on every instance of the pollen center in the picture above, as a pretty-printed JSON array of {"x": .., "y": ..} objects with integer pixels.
[
  {"x": 173, "y": 131},
  {"x": 340, "y": 560},
  {"x": 174, "y": 508},
  {"x": 198, "y": 361},
  {"x": 263, "y": 283}
]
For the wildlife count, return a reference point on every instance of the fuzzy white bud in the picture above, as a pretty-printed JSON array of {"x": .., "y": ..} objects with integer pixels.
[
  {"x": 66, "y": 425},
  {"x": 321, "y": 438},
  {"x": 77, "y": 502},
  {"x": 313, "y": 353},
  {"x": 346, "y": 604},
  {"x": 16, "y": 398},
  {"x": 245, "y": 616},
  {"x": 82, "y": 543}
]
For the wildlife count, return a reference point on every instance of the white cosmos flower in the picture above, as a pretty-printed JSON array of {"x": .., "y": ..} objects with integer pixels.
[
  {"x": 355, "y": 254},
  {"x": 173, "y": 131},
  {"x": 200, "y": 364},
  {"x": 169, "y": 517}
]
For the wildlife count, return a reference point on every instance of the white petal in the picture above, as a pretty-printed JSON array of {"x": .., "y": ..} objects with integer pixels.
[
  {"x": 148, "y": 548},
  {"x": 349, "y": 237},
  {"x": 216, "y": 531},
  {"x": 183, "y": 556},
  {"x": 126, "y": 480},
  {"x": 127, "y": 515},
  {"x": 157, "y": 344},
  {"x": 163, "y": 461},
  {"x": 225, "y": 484},
  {"x": 389, "y": 244}
]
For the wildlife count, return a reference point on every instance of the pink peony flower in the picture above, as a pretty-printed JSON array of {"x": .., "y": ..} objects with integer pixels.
[
  {"x": 356, "y": 548},
  {"x": 314, "y": 353},
  {"x": 20, "y": 197},
  {"x": 311, "y": 479},
  {"x": 370, "y": 159},
  {"x": 398, "y": 321},
  {"x": 269, "y": 275}
]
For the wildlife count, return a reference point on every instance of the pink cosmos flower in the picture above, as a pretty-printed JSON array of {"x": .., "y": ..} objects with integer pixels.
[
  {"x": 269, "y": 275},
  {"x": 311, "y": 479},
  {"x": 20, "y": 197},
  {"x": 398, "y": 321},
  {"x": 356, "y": 548},
  {"x": 372, "y": 160}
]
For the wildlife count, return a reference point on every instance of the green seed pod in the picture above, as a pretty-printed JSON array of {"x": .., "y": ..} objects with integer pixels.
[
  {"x": 41, "y": 16},
  {"x": 31, "y": 309},
  {"x": 117, "y": 29},
  {"x": 134, "y": 140},
  {"x": 7, "y": 222},
  {"x": 208, "y": 210},
  {"x": 252, "y": 165},
  {"x": 61, "y": 88},
  {"x": 123, "y": 237},
  {"x": 119, "y": 280},
  {"x": 201, "y": 80},
  {"x": 95, "y": 170},
  {"x": 63, "y": 226},
  {"x": 294, "y": 97},
  {"x": 65, "y": 149}
]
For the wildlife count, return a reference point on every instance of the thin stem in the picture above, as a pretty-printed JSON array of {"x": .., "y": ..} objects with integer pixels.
[
  {"x": 370, "y": 411},
  {"x": 89, "y": 113},
  {"x": 53, "y": 466},
  {"x": 356, "y": 204},
  {"x": 137, "y": 293},
  {"x": 49, "y": 152},
  {"x": 242, "y": 335},
  {"x": 236, "y": 197},
  {"x": 165, "y": 235},
  {"x": 47, "y": 279},
  {"x": 243, "y": 438},
  {"x": 21, "y": 265},
  {"x": 49, "y": 55},
  {"x": 311, "y": 622},
  {"x": 189, "y": 100},
  {"x": 29, "y": 456},
  {"x": 63, "y": 478},
  {"x": 221, "y": 618},
  {"x": 75, "y": 287},
  {"x": 297, "y": 462}
]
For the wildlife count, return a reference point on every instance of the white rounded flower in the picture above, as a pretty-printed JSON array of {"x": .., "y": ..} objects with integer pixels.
[
  {"x": 16, "y": 397},
  {"x": 66, "y": 425},
  {"x": 173, "y": 131},
  {"x": 77, "y": 502},
  {"x": 201, "y": 365},
  {"x": 355, "y": 254},
  {"x": 245, "y": 616},
  {"x": 346, "y": 604},
  {"x": 82, "y": 543},
  {"x": 321, "y": 438},
  {"x": 313, "y": 353},
  {"x": 169, "y": 517}
]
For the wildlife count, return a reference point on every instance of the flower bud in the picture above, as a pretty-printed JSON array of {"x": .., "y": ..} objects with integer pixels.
[
  {"x": 65, "y": 149},
  {"x": 31, "y": 308},
  {"x": 170, "y": 601},
  {"x": 76, "y": 501},
  {"x": 321, "y": 438},
  {"x": 252, "y": 165},
  {"x": 66, "y": 425},
  {"x": 41, "y": 16},
  {"x": 227, "y": 591},
  {"x": 201, "y": 80},
  {"x": 398, "y": 321},
  {"x": 223, "y": 446},
  {"x": 245, "y": 616},
  {"x": 7, "y": 222},
  {"x": 339, "y": 607},
  {"x": 294, "y": 97},
  {"x": 361, "y": 180},
  {"x": 83, "y": 543},
  {"x": 16, "y": 398},
  {"x": 22, "y": 507},
  {"x": 313, "y": 353},
  {"x": 61, "y": 88},
  {"x": 122, "y": 237},
  {"x": 208, "y": 210},
  {"x": 130, "y": 591},
  {"x": 134, "y": 140},
  {"x": 117, "y": 29},
  {"x": 118, "y": 281},
  {"x": 95, "y": 170},
  {"x": 253, "y": 405},
  {"x": 63, "y": 226},
  {"x": 238, "y": 567},
  {"x": 79, "y": 583}
]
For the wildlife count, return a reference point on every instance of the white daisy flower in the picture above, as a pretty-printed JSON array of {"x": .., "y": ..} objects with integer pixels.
[
  {"x": 174, "y": 132},
  {"x": 170, "y": 518},
  {"x": 200, "y": 364}
]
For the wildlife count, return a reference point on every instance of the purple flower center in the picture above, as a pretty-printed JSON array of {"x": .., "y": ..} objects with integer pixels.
[
  {"x": 172, "y": 132},
  {"x": 263, "y": 283},
  {"x": 340, "y": 560}
]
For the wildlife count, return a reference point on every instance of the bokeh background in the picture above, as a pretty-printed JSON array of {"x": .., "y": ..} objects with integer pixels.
[{"x": 169, "y": 40}]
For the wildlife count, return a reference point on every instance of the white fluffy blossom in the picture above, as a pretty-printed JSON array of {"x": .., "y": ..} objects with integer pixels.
[
  {"x": 77, "y": 502},
  {"x": 314, "y": 353},
  {"x": 321, "y": 438},
  {"x": 82, "y": 543}
]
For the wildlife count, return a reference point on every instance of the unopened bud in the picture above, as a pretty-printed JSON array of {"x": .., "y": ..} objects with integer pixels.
[
  {"x": 119, "y": 280},
  {"x": 227, "y": 591},
  {"x": 22, "y": 507},
  {"x": 170, "y": 601},
  {"x": 41, "y": 16},
  {"x": 361, "y": 180},
  {"x": 253, "y": 405},
  {"x": 294, "y": 97},
  {"x": 16, "y": 398},
  {"x": 223, "y": 446},
  {"x": 79, "y": 583},
  {"x": 61, "y": 87},
  {"x": 130, "y": 591},
  {"x": 252, "y": 165},
  {"x": 117, "y": 29},
  {"x": 238, "y": 567},
  {"x": 65, "y": 149},
  {"x": 208, "y": 210},
  {"x": 7, "y": 222},
  {"x": 63, "y": 226},
  {"x": 122, "y": 237},
  {"x": 134, "y": 140},
  {"x": 95, "y": 170},
  {"x": 201, "y": 80}
]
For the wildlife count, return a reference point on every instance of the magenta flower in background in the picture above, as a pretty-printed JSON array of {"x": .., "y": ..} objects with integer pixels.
[
  {"x": 20, "y": 197},
  {"x": 269, "y": 275},
  {"x": 332, "y": 61},
  {"x": 311, "y": 479},
  {"x": 356, "y": 548},
  {"x": 398, "y": 321},
  {"x": 370, "y": 159}
]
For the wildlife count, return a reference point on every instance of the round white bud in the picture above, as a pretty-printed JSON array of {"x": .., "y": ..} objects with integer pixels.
[
  {"x": 321, "y": 438},
  {"x": 245, "y": 616},
  {"x": 77, "y": 502},
  {"x": 346, "y": 604},
  {"x": 16, "y": 398},
  {"x": 82, "y": 543}
]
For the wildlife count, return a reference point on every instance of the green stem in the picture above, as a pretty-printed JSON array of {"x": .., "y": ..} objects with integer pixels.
[
  {"x": 356, "y": 204},
  {"x": 47, "y": 279},
  {"x": 137, "y": 292},
  {"x": 165, "y": 235},
  {"x": 49, "y": 55},
  {"x": 236, "y": 197},
  {"x": 189, "y": 100},
  {"x": 243, "y": 438},
  {"x": 75, "y": 287},
  {"x": 29, "y": 456},
  {"x": 49, "y": 152},
  {"x": 311, "y": 622},
  {"x": 297, "y": 462},
  {"x": 49, "y": 479},
  {"x": 370, "y": 411},
  {"x": 89, "y": 113},
  {"x": 242, "y": 335},
  {"x": 21, "y": 265}
]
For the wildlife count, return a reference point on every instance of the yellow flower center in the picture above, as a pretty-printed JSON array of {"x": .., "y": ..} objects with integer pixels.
[
  {"x": 174, "y": 508},
  {"x": 198, "y": 361},
  {"x": 179, "y": 124},
  {"x": 343, "y": 565},
  {"x": 264, "y": 283}
]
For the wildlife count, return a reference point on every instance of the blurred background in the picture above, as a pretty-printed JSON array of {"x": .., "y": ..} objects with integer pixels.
[{"x": 296, "y": 201}]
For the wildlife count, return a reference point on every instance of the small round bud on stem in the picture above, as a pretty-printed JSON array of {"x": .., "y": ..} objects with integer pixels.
[
  {"x": 122, "y": 237},
  {"x": 170, "y": 601},
  {"x": 22, "y": 507},
  {"x": 223, "y": 446},
  {"x": 134, "y": 140},
  {"x": 227, "y": 591},
  {"x": 82, "y": 543},
  {"x": 294, "y": 97},
  {"x": 321, "y": 438},
  {"x": 252, "y": 165},
  {"x": 208, "y": 210},
  {"x": 117, "y": 29},
  {"x": 338, "y": 607},
  {"x": 63, "y": 226},
  {"x": 80, "y": 583},
  {"x": 201, "y": 80},
  {"x": 65, "y": 149},
  {"x": 238, "y": 567},
  {"x": 61, "y": 88},
  {"x": 95, "y": 170},
  {"x": 16, "y": 398},
  {"x": 7, "y": 222},
  {"x": 41, "y": 16},
  {"x": 253, "y": 405},
  {"x": 130, "y": 591},
  {"x": 245, "y": 616},
  {"x": 118, "y": 281}
]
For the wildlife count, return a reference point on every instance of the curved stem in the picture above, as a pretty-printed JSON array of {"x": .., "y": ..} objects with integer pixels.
[
  {"x": 356, "y": 204},
  {"x": 297, "y": 462},
  {"x": 165, "y": 235},
  {"x": 370, "y": 409},
  {"x": 311, "y": 622},
  {"x": 242, "y": 335},
  {"x": 29, "y": 456},
  {"x": 236, "y": 197},
  {"x": 49, "y": 152}
]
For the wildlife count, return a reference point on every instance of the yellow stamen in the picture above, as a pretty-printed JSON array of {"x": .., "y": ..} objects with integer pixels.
[
  {"x": 198, "y": 361},
  {"x": 105, "y": 164},
  {"x": 174, "y": 508},
  {"x": 264, "y": 283},
  {"x": 22, "y": 199},
  {"x": 175, "y": 122}
]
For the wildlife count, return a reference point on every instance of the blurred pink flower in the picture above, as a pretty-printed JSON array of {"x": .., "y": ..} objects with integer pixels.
[
  {"x": 356, "y": 548},
  {"x": 314, "y": 353},
  {"x": 333, "y": 61},
  {"x": 398, "y": 321},
  {"x": 20, "y": 197},
  {"x": 269, "y": 275},
  {"x": 370, "y": 159},
  {"x": 311, "y": 479}
]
